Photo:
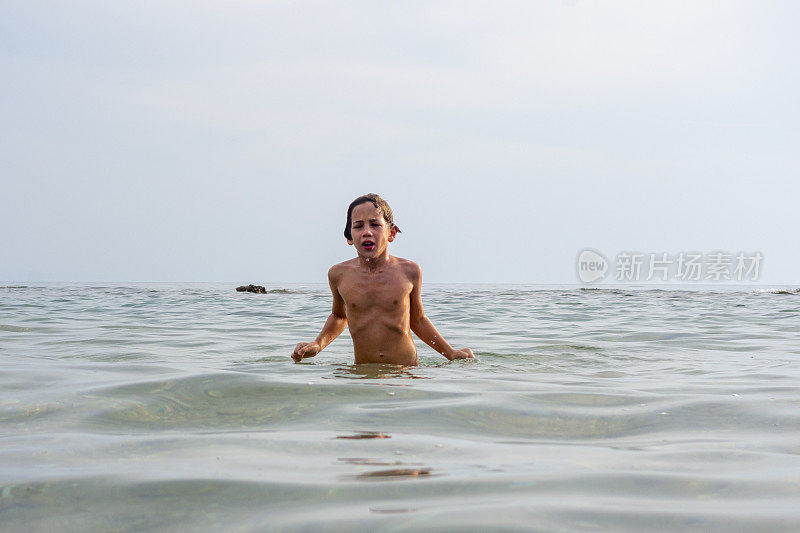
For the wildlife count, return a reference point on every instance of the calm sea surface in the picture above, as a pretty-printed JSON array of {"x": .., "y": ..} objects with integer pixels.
[{"x": 166, "y": 407}]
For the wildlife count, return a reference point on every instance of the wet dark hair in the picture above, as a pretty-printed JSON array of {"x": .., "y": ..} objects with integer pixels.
[{"x": 375, "y": 200}]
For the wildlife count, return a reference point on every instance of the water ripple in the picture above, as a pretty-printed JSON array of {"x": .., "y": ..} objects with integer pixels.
[{"x": 177, "y": 407}]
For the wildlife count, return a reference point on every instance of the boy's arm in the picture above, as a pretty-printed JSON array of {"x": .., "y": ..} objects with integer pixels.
[
  {"x": 424, "y": 328},
  {"x": 333, "y": 327}
]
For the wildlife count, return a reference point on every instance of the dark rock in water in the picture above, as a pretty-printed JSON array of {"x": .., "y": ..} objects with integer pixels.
[{"x": 252, "y": 288}]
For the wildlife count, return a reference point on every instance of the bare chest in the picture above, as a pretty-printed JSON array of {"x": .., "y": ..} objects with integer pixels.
[{"x": 377, "y": 292}]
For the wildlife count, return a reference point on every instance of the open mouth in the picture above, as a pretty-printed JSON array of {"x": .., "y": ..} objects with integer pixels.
[{"x": 368, "y": 245}]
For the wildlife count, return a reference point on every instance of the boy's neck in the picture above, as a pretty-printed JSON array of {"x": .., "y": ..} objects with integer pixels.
[{"x": 374, "y": 263}]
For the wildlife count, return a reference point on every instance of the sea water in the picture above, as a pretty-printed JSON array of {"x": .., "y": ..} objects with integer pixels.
[{"x": 178, "y": 408}]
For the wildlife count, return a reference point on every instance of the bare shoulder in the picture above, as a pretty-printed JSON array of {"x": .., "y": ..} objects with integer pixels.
[
  {"x": 338, "y": 270},
  {"x": 410, "y": 269}
]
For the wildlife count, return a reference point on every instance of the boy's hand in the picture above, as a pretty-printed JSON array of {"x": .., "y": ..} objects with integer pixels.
[
  {"x": 305, "y": 349},
  {"x": 464, "y": 353}
]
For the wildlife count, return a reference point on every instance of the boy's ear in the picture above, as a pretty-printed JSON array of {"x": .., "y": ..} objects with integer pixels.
[
  {"x": 392, "y": 233},
  {"x": 349, "y": 241}
]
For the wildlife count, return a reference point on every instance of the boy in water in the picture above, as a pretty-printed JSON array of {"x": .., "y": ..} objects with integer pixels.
[{"x": 377, "y": 295}]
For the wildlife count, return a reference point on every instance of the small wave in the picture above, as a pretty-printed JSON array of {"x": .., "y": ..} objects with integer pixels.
[
  {"x": 14, "y": 329},
  {"x": 610, "y": 290},
  {"x": 778, "y": 291}
]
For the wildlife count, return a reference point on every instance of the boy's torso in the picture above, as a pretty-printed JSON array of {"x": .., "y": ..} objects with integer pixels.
[{"x": 377, "y": 304}]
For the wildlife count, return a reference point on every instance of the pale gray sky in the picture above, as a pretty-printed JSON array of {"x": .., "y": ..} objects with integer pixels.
[{"x": 223, "y": 141}]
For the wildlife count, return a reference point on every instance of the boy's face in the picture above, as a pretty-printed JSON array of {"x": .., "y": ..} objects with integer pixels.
[{"x": 371, "y": 234}]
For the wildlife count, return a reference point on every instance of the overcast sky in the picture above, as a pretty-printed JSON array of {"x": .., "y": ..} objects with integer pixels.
[{"x": 223, "y": 141}]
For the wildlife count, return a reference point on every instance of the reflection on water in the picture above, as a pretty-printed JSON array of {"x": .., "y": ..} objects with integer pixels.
[
  {"x": 391, "y": 510},
  {"x": 369, "y": 462},
  {"x": 167, "y": 408},
  {"x": 365, "y": 435},
  {"x": 393, "y": 473},
  {"x": 377, "y": 371}
]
